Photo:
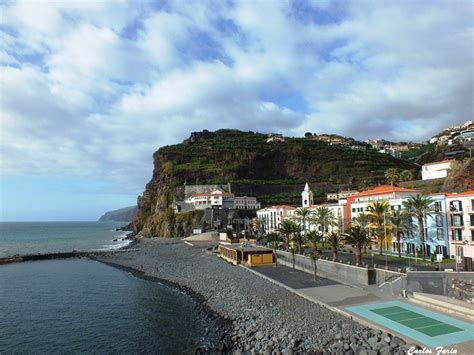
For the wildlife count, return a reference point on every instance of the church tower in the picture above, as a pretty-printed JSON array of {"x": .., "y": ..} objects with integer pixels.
[{"x": 307, "y": 196}]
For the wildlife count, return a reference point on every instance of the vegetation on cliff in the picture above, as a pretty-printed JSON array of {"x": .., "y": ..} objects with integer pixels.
[{"x": 246, "y": 159}]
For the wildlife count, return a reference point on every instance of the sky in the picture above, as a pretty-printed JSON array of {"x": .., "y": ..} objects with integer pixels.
[{"x": 90, "y": 89}]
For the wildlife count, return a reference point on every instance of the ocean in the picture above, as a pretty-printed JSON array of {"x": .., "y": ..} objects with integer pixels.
[
  {"x": 43, "y": 237},
  {"x": 83, "y": 306}
]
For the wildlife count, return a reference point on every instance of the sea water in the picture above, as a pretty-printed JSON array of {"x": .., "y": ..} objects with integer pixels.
[
  {"x": 44, "y": 237},
  {"x": 83, "y": 306}
]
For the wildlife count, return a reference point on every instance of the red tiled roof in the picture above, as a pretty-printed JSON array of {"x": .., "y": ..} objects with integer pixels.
[
  {"x": 383, "y": 189},
  {"x": 285, "y": 207},
  {"x": 465, "y": 193}
]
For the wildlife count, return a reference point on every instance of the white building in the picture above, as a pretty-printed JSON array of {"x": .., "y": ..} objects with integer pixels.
[
  {"x": 220, "y": 199},
  {"x": 337, "y": 209},
  {"x": 307, "y": 196},
  {"x": 270, "y": 218},
  {"x": 461, "y": 225},
  {"x": 246, "y": 203},
  {"x": 275, "y": 137},
  {"x": 342, "y": 195},
  {"x": 436, "y": 170}
]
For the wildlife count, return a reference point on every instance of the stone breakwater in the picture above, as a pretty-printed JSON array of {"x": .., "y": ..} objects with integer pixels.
[{"x": 253, "y": 314}]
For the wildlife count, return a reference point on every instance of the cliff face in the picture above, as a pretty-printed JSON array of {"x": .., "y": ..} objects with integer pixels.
[
  {"x": 251, "y": 164},
  {"x": 126, "y": 214},
  {"x": 461, "y": 179}
]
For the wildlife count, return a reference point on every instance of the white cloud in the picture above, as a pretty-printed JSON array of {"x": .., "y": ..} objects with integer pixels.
[{"x": 93, "y": 88}]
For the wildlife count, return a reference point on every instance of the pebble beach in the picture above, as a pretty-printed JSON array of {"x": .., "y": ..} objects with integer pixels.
[{"x": 251, "y": 314}]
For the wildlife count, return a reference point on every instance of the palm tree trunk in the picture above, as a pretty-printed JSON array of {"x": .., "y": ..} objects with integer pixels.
[
  {"x": 293, "y": 254},
  {"x": 358, "y": 255},
  {"x": 399, "y": 248},
  {"x": 315, "y": 268},
  {"x": 334, "y": 254},
  {"x": 421, "y": 232}
]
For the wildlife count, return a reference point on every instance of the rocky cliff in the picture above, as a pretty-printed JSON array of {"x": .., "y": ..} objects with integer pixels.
[
  {"x": 126, "y": 214},
  {"x": 254, "y": 167}
]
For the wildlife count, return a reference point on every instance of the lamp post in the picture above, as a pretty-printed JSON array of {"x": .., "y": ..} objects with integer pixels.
[{"x": 385, "y": 238}]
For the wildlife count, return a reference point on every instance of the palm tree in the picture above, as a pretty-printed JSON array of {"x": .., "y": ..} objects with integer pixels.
[
  {"x": 400, "y": 224},
  {"x": 314, "y": 237},
  {"x": 323, "y": 217},
  {"x": 301, "y": 215},
  {"x": 419, "y": 207},
  {"x": 406, "y": 175},
  {"x": 334, "y": 240},
  {"x": 298, "y": 239},
  {"x": 274, "y": 239},
  {"x": 287, "y": 228},
  {"x": 358, "y": 237},
  {"x": 378, "y": 211},
  {"x": 392, "y": 175},
  {"x": 363, "y": 220}
]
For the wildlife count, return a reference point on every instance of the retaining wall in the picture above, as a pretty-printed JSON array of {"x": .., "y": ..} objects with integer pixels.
[
  {"x": 344, "y": 273},
  {"x": 438, "y": 283}
]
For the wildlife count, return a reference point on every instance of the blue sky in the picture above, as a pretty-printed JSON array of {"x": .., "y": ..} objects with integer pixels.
[{"x": 90, "y": 89}]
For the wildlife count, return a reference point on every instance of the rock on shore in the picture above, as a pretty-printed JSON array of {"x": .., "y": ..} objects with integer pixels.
[{"x": 262, "y": 317}]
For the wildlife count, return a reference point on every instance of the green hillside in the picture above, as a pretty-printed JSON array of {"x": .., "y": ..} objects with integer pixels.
[{"x": 274, "y": 172}]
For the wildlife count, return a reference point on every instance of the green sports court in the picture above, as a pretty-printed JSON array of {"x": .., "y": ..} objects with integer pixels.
[{"x": 425, "y": 327}]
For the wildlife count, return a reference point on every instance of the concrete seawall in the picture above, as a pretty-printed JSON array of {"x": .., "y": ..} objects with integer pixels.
[{"x": 59, "y": 255}]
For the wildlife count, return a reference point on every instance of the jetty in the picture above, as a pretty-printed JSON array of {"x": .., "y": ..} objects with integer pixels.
[{"x": 61, "y": 255}]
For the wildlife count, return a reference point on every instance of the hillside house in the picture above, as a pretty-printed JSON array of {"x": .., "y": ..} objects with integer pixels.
[{"x": 436, "y": 170}]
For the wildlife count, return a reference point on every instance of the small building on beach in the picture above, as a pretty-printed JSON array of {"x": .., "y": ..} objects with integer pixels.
[{"x": 246, "y": 255}]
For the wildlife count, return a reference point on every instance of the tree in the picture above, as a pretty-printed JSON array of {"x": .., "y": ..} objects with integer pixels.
[
  {"x": 314, "y": 237},
  {"x": 308, "y": 134},
  {"x": 419, "y": 207},
  {"x": 379, "y": 212},
  {"x": 302, "y": 215},
  {"x": 363, "y": 221},
  {"x": 406, "y": 175},
  {"x": 334, "y": 240},
  {"x": 287, "y": 228},
  {"x": 274, "y": 239},
  {"x": 365, "y": 184},
  {"x": 393, "y": 176},
  {"x": 359, "y": 238},
  {"x": 400, "y": 224},
  {"x": 323, "y": 217},
  {"x": 298, "y": 240}
]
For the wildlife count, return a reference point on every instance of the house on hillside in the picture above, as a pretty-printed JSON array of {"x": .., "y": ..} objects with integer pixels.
[
  {"x": 275, "y": 137},
  {"x": 436, "y": 170}
]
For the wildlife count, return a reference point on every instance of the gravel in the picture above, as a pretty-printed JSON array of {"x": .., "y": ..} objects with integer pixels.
[{"x": 251, "y": 314}]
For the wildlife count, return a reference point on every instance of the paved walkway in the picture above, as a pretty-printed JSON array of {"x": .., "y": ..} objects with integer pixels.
[
  {"x": 347, "y": 300},
  {"x": 324, "y": 290}
]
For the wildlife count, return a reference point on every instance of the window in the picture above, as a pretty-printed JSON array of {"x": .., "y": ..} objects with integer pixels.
[
  {"x": 457, "y": 221},
  {"x": 439, "y": 234},
  {"x": 472, "y": 205},
  {"x": 439, "y": 220},
  {"x": 456, "y": 235},
  {"x": 437, "y": 206},
  {"x": 455, "y": 206},
  {"x": 472, "y": 220},
  {"x": 472, "y": 236},
  {"x": 353, "y": 209}
]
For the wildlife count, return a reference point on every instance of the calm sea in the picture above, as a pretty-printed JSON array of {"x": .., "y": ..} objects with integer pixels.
[
  {"x": 83, "y": 306},
  {"x": 42, "y": 237}
]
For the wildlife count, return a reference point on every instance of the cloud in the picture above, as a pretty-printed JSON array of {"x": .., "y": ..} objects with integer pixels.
[{"x": 94, "y": 88}]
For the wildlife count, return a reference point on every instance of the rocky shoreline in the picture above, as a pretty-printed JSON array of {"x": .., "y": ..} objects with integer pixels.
[{"x": 250, "y": 314}]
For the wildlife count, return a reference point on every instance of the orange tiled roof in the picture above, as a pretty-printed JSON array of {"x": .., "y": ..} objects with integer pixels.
[
  {"x": 465, "y": 193},
  {"x": 383, "y": 189},
  {"x": 285, "y": 207}
]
